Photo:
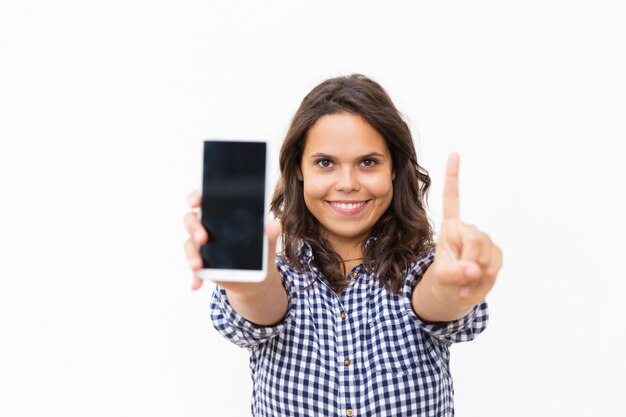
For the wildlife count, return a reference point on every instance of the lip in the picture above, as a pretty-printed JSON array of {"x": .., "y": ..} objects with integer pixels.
[{"x": 348, "y": 208}]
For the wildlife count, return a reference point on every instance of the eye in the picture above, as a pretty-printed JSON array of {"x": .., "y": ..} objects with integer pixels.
[
  {"x": 324, "y": 163},
  {"x": 369, "y": 162}
]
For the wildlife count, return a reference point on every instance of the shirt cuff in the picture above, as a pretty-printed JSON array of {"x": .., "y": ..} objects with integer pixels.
[
  {"x": 240, "y": 331},
  {"x": 461, "y": 330}
]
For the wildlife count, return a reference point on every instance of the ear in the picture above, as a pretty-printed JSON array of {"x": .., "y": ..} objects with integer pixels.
[
  {"x": 393, "y": 175},
  {"x": 299, "y": 174}
]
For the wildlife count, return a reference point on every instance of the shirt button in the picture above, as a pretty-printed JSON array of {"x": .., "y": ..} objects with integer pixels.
[
  {"x": 343, "y": 315},
  {"x": 346, "y": 362},
  {"x": 355, "y": 274},
  {"x": 349, "y": 412}
]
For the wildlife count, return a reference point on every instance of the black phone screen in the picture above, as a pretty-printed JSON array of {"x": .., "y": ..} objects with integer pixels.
[{"x": 233, "y": 201}]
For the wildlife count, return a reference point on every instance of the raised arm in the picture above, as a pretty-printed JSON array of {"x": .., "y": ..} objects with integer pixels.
[
  {"x": 263, "y": 303},
  {"x": 466, "y": 262}
]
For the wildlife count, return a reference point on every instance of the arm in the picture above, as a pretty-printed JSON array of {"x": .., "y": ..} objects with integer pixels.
[
  {"x": 431, "y": 308},
  {"x": 465, "y": 267},
  {"x": 263, "y": 303}
]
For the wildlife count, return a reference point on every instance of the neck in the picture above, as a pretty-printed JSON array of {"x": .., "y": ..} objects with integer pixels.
[
  {"x": 348, "y": 250},
  {"x": 352, "y": 259}
]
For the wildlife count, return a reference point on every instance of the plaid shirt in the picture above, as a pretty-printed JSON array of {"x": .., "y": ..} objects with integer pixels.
[{"x": 364, "y": 353}]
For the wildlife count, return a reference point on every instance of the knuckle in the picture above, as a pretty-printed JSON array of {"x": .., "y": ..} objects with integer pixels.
[
  {"x": 492, "y": 272},
  {"x": 498, "y": 254},
  {"x": 194, "y": 198},
  {"x": 474, "y": 240}
]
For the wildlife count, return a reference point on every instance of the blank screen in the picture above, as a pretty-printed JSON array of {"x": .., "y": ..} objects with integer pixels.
[{"x": 233, "y": 193}]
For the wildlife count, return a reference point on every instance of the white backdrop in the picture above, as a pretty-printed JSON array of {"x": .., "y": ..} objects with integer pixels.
[{"x": 103, "y": 107}]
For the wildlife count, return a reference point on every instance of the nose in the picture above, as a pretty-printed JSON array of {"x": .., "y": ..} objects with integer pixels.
[{"x": 347, "y": 180}]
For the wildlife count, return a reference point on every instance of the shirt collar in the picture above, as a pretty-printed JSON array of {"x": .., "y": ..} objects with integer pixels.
[{"x": 305, "y": 252}]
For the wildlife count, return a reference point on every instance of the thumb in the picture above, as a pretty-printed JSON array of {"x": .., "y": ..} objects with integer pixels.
[{"x": 273, "y": 230}]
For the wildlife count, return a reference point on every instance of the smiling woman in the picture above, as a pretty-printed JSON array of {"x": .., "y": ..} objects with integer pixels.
[
  {"x": 347, "y": 178},
  {"x": 359, "y": 313},
  {"x": 350, "y": 144}
]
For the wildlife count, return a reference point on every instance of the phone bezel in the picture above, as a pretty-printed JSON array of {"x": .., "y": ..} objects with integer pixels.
[{"x": 240, "y": 275}]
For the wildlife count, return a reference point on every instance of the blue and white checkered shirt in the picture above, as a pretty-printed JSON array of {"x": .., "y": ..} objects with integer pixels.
[{"x": 364, "y": 353}]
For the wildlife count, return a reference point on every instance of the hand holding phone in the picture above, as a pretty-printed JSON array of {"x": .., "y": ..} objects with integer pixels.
[
  {"x": 233, "y": 208},
  {"x": 230, "y": 237},
  {"x": 198, "y": 236}
]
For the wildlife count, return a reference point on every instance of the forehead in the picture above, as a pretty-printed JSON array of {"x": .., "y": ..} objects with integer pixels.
[{"x": 344, "y": 133}]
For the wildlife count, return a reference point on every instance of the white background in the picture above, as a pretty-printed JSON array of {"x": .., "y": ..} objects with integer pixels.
[{"x": 103, "y": 107}]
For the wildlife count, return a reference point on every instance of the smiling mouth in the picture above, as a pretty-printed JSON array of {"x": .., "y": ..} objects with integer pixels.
[{"x": 348, "y": 208}]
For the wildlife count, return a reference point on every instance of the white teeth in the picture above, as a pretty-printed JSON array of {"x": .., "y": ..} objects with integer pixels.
[{"x": 348, "y": 206}]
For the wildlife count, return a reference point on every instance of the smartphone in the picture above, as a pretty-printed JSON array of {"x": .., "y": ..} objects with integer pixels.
[{"x": 234, "y": 205}]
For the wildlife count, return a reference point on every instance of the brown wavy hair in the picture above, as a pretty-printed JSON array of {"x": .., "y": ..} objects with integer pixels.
[{"x": 403, "y": 233}]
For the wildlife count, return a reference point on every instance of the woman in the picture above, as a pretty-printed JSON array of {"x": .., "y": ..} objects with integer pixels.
[{"x": 358, "y": 315}]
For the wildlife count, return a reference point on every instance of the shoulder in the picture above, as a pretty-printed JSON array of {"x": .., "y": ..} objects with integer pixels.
[
  {"x": 423, "y": 261},
  {"x": 303, "y": 257},
  {"x": 419, "y": 267},
  {"x": 298, "y": 274}
]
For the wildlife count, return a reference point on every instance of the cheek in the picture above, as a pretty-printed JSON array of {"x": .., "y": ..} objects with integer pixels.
[
  {"x": 315, "y": 187},
  {"x": 380, "y": 188},
  {"x": 388, "y": 195}
]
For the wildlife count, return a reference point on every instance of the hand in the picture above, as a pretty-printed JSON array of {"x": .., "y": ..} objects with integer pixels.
[
  {"x": 198, "y": 236},
  {"x": 466, "y": 260}
]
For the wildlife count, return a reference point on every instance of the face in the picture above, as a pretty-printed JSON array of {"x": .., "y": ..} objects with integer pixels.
[{"x": 347, "y": 177}]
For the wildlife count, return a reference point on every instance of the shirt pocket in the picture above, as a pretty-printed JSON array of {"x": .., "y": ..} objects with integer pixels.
[{"x": 397, "y": 345}]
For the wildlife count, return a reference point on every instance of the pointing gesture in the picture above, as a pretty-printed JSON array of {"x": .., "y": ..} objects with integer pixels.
[
  {"x": 466, "y": 262},
  {"x": 451, "y": 189}
]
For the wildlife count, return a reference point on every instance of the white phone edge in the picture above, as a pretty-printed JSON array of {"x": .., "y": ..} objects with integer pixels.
[{"x": 239, "y": 275}]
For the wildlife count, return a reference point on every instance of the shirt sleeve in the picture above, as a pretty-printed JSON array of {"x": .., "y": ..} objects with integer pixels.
[
  {"x": 464, "y": 329},
  {"x": 240, "y": 331}
]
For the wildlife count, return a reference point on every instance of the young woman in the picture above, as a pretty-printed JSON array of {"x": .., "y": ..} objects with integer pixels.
[{"x": 358, "y": 315}]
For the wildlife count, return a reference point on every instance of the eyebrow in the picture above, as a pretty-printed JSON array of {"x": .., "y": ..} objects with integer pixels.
[{"x": 368, "y": 155}]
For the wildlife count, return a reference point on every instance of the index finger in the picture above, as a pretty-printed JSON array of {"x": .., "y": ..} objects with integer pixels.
[{"x": 451, "y": 188}]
